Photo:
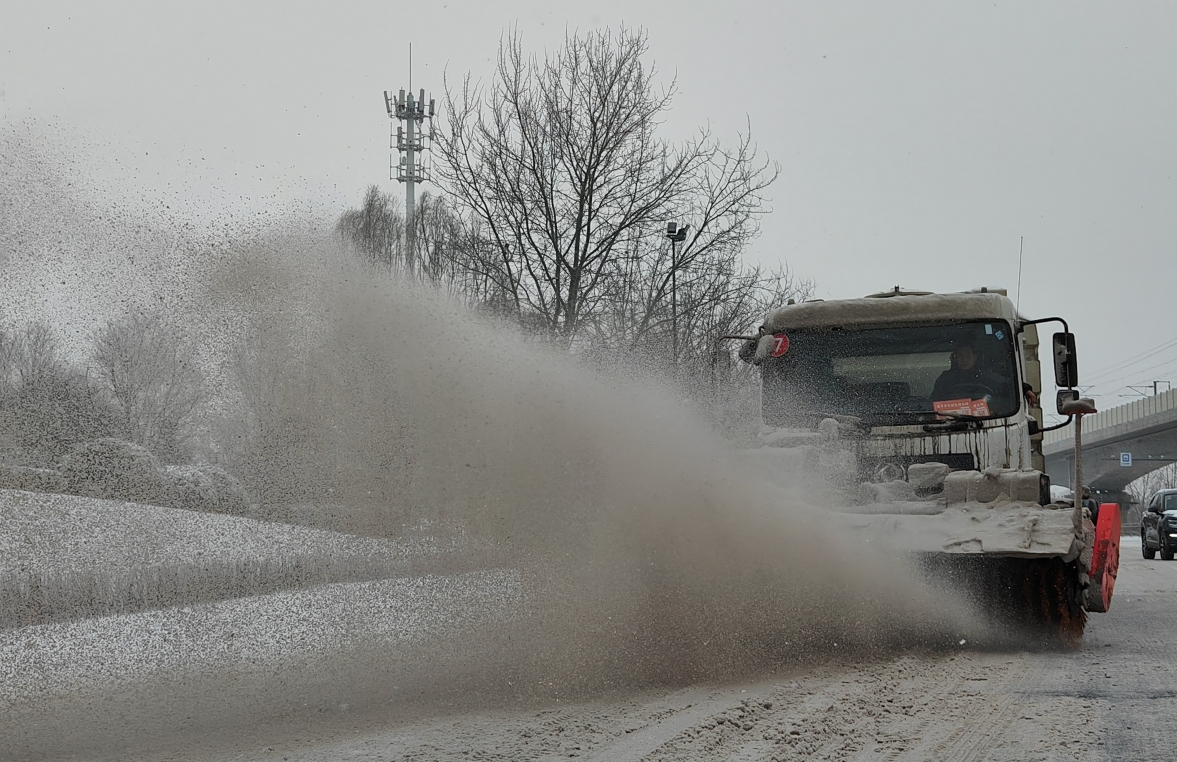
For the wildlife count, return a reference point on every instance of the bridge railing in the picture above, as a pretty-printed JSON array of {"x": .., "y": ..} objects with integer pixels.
[{"x": 1115, "y": 416}]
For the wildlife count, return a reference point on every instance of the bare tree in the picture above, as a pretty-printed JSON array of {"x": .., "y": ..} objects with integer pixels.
[
  {"x": 441, "y": 251},
  {"x": 376, "y": 229},
  {"x": 559, "y": 162},
  {"x": 35, "y": 355},
  {"x": 9, "y": 349},
  {"x": 46, "y": 406},
  {"x": 1142, "y": 489},
  {"x": 441, "y": 256},
  {"x": 151, "y": 375}
]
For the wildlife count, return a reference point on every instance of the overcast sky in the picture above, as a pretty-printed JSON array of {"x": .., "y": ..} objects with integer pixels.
[{"x": 917, "y": 141}]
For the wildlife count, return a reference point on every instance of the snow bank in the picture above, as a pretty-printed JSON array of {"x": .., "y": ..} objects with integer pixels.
[
  {"x": 123, "y": 687},
  {"x": 66, "y": 557},
  {"x": 263, "y": 635}
]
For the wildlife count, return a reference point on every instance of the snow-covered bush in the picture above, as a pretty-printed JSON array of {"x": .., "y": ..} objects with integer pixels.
[
  {"x": 31, "y": 479},
  {"x": 115, "y": 470},
  {"x": 204, "y": 488}
]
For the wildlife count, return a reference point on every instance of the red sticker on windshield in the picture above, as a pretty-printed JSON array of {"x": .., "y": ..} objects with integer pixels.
[
  {"x": 780, "y": 344},
  {"x": 963, "y": 406}
]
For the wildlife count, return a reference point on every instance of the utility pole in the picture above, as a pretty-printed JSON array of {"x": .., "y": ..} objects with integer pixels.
[{"x": 411, "y": 138}]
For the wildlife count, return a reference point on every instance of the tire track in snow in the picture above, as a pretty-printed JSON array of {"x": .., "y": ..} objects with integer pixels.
[
  {"x": 701, "y": 704},
  {"x": 991, "y": 719}
]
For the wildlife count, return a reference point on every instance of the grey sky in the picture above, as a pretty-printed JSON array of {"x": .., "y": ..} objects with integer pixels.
[{"x": 917, "y": 141}]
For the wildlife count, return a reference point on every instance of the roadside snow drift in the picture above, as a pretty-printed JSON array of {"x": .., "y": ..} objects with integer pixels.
[{"x": 67, "y": 557}]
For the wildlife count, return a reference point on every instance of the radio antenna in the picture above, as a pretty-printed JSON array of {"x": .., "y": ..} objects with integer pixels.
[
  {"x": 1018, "y": 304},
  {"x": 412, "y": 138}
]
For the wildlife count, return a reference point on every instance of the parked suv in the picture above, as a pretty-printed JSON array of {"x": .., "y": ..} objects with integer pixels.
[{"x": 1158, "y": 525}]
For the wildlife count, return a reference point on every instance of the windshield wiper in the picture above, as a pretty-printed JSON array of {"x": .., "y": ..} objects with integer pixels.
[
  {"x": 959, "y": 416},
  {"x": 954, "y": 416},
  {"x": 958, "y": 422}
]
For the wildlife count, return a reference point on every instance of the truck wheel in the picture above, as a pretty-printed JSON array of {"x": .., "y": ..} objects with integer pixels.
[
  {"x": 1166, "y": 551},
  {"x": 1149, "y": 553}
]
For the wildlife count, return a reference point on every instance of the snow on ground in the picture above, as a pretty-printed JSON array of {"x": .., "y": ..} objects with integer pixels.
[
  {"x": 65, "y": 557},
  {"x": 1112, "y": 699},
  {"x": 123, "y": 687},
  {"x": 45, "y": 533},
  {"x": 274, "y": 676},
  {"x": 263, "y": 634},
  {"x": 960, "y": 706}
]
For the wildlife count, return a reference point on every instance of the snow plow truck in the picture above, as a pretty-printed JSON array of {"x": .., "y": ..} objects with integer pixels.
[{"x": 920, "y": 413}]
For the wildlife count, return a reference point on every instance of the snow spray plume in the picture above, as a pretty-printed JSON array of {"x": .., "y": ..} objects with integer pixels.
[
  {"x": 649, "y": 553},
  {"x": 653, "y": 554}
]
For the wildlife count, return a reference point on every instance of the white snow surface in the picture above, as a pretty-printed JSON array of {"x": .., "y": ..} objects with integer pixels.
[
  {"x": 260, "y": 635},
  {"x": 48, "y": 533},
  {"x": 64, "y": 557}
]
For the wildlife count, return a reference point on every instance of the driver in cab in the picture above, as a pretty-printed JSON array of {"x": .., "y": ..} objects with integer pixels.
[{"x": 965, "y": 378}]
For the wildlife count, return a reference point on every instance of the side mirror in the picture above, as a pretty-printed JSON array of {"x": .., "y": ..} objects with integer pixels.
[
  {"x": 763, "y": 348},
  {"x": 1065, "y": 398},
  {"x": 1066, "y": 368}
]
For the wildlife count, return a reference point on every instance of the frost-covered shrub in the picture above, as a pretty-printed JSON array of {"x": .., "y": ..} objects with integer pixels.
[
  {"x": 31, "y": 479},
  {"x": 204, "y": 488},
  {"x": 189, "y": 487},
  {"x": 118, "y": 470},
  {"x": 115, "y": 470}
]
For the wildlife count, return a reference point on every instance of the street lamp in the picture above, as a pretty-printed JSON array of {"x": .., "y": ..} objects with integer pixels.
[{"x": 677, "y": 235}]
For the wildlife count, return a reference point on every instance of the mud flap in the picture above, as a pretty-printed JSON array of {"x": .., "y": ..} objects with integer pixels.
[{"x": 1105, "y": 559}]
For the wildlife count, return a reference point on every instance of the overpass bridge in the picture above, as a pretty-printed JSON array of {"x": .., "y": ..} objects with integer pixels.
[{"x": 1145, "y": 429}]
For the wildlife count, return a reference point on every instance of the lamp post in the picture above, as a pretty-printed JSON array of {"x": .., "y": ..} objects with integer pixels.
[{"x": 677, "y": 234}]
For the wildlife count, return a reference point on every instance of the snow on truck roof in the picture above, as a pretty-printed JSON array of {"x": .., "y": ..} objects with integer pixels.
[{"x": 893, "y": 307}]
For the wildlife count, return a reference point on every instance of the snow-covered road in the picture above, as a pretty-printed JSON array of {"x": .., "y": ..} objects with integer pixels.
[
  {"x": 428, "y": 667},
  {"x": 1111, "y": 700}
]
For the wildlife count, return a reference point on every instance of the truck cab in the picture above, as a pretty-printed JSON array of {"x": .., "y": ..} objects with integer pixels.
[{"x": 909, "y": 377}]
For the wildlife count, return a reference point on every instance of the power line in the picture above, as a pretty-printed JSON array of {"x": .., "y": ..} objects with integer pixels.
[
  {"x": 1164, "y": 368},
  {"x": 1164, "y": 365},
  {"x": 1126, "y": 369},
  {"x": 1137, "y": 358}
]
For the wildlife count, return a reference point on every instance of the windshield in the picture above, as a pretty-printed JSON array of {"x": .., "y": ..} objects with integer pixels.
[
  {"x": 892, "y": 375},
  {"x": 1170, "y": 502}
]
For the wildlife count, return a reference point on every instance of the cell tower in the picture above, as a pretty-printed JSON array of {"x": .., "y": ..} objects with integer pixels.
[{"x": 411, "y": 138}]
